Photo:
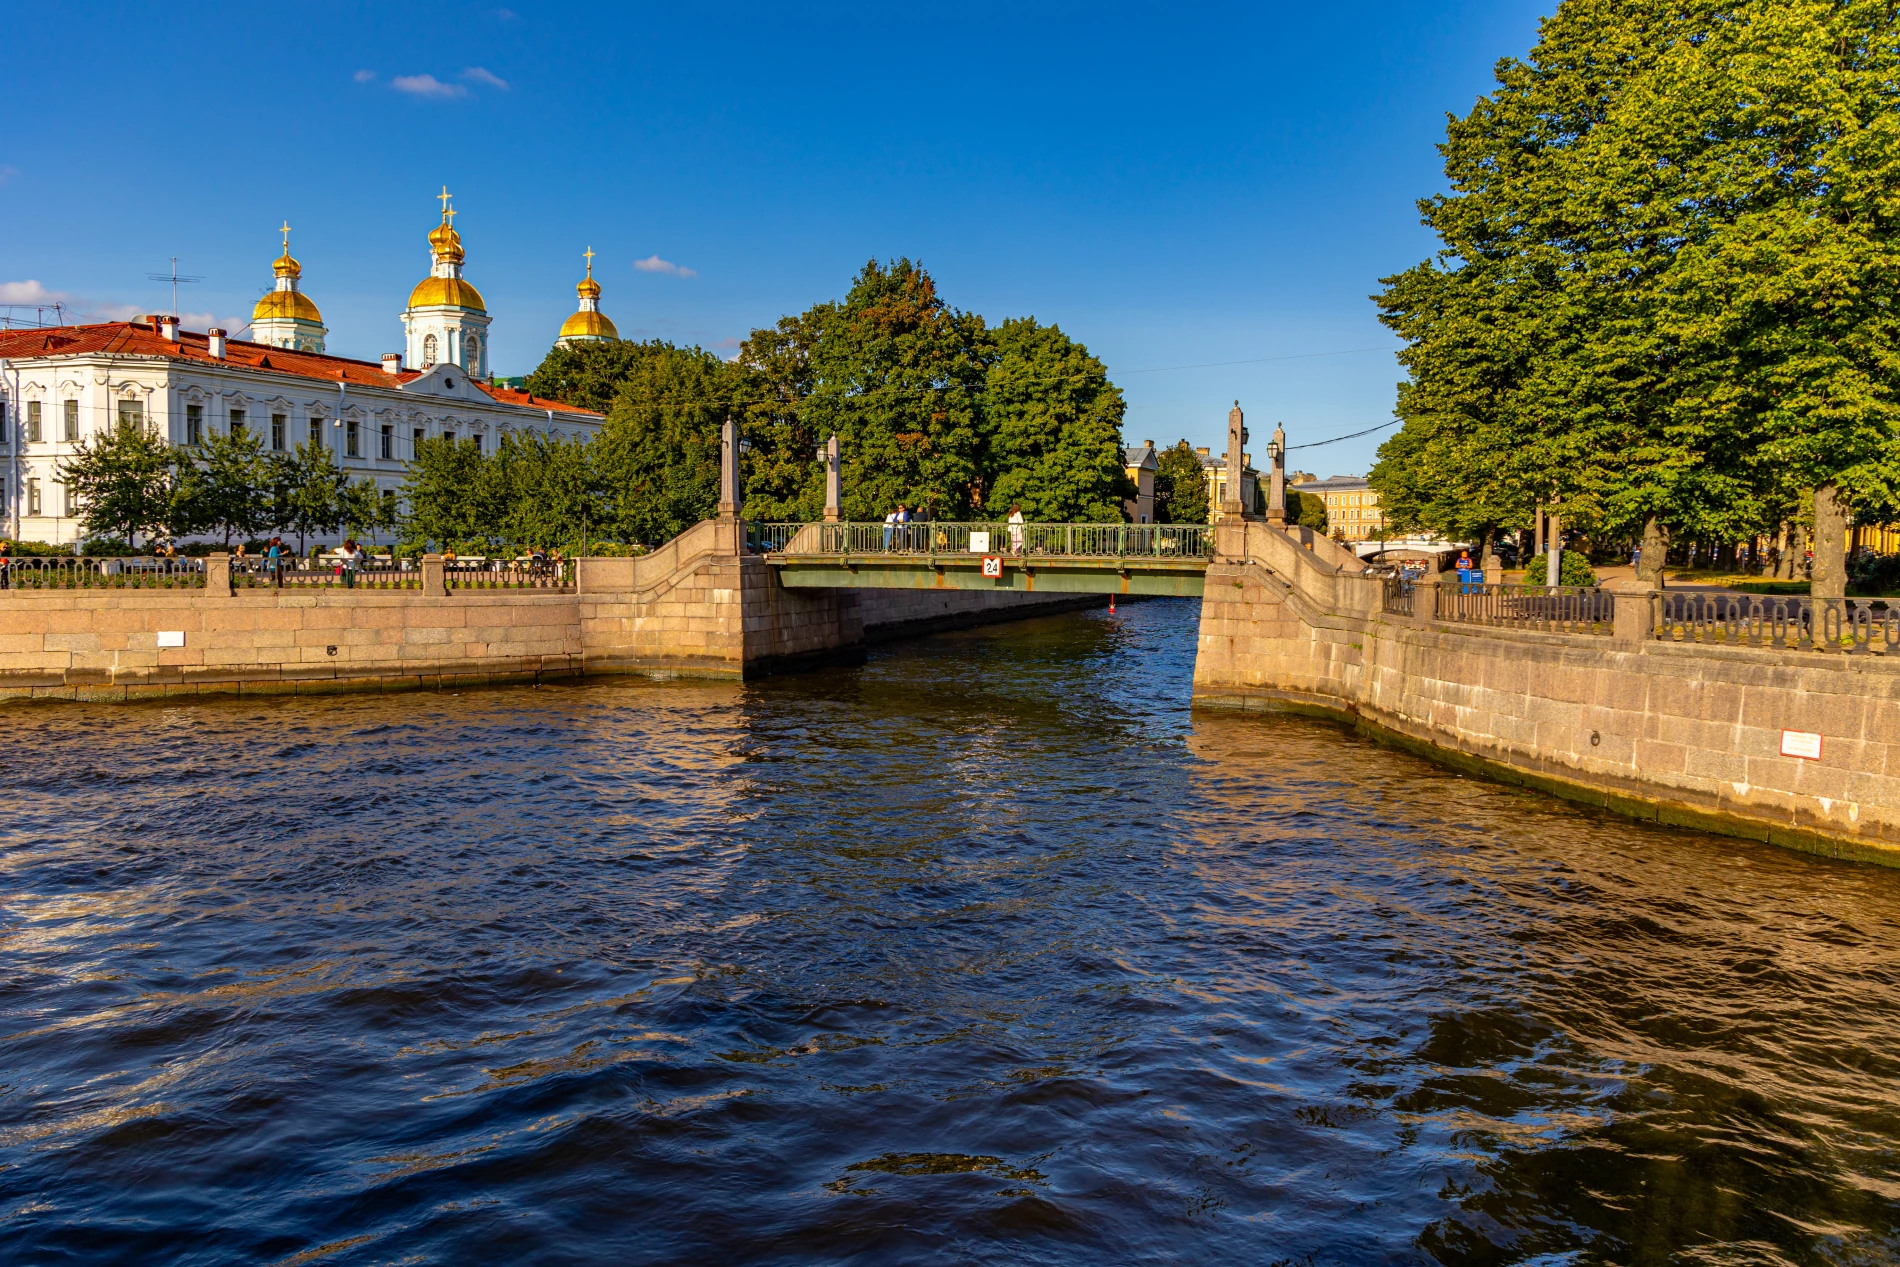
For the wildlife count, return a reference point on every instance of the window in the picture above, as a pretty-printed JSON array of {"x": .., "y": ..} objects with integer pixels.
[
  {"x": 428, "y": 351},
  {"x": 3, "y": 421},
  {"x": 237, "y": 423},
  {"x": 316, "y": 431},
  {"x": 32, "y": 435},
  {"x": 352, "y": 446},
  {"x": 388, "y": 452},
  {"x": 32, "y": 497},
  {"x": 131, "y": 413},
  {"x": 71, "y": 421},
  {"x": 194, "y": 424},
  {"x": 419, "y": 437},
  {"x": 277, "y": 422},
  {"x": 69, "y": 501},
  {"x": 472, "y": 361},
  {"x": 476, "y": 440}
]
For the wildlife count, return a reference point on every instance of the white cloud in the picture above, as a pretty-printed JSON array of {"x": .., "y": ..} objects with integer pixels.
[
  {"x": 483, "y": 75},
  {"x": 30, "y": 292},
  {"x": 506, "y": 15},
  {"x": 427, "y": 86},
  {"x": 364, "y": 76},
  {"x": 654, "y": 264}
]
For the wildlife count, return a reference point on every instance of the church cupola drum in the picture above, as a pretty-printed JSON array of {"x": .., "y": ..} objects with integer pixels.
[
  {"x": 446, "y": 321},
  {"x": 285, "y": 317},
  {"x": 589, "y": 324}
]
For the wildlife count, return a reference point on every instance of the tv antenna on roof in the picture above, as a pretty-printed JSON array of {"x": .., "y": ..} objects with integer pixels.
[{"x": 175, "y": 278}]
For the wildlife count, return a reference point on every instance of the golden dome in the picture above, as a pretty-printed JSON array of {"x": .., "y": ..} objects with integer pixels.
[
  {"x": 446, "y": 242},
  {"x": 285, "y": 266},
  {"x": 285, "y": 305},
  {"x": 589, "y": 325},
  {"x": 588, "y": 289},
  {"x": 451, "y": 292}
]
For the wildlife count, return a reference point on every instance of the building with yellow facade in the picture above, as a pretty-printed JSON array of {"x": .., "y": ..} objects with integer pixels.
[{"x": 1352, "y": 508}]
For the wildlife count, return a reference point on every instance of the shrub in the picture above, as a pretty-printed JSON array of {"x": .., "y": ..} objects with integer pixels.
[
  {"x": 1874, "y": 574},
  {"x": 1577, "y": 570},
  {"x": 108, "y": 548}
]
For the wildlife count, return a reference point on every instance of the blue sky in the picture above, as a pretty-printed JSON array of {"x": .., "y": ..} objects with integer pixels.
[{"x": 1176, "y": 186}]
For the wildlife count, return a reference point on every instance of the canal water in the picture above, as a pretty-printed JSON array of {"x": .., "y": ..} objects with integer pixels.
[{"x": 988, "y": 951}]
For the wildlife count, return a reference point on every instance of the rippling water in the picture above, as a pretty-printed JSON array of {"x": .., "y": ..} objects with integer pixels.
[{"x": 986, "y": 952}]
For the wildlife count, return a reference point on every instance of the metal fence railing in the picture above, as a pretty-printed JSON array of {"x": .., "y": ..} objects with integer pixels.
[
  {"x": 64, "y": 572},
  {"x": 1082, "y": 541},
  {"x": 1400, "y": 593},
  {"x": 252, "y": 573},
  {"x": 1549, "y": 608},
  {"x": 548, "y": 574},
  {"x": 1855, "y": 625}
]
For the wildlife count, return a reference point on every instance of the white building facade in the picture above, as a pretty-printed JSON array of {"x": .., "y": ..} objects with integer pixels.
[{"x": 61, "y": 385}]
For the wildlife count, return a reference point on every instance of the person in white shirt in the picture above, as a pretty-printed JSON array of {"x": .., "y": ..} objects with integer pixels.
[{"x": 1016, "y": 528}]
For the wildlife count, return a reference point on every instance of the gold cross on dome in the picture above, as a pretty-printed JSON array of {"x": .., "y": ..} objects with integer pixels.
[
  {"x": 448, "y": 216},
  {"x": 286, "y": 232},
  {"x": 443, "y": 198},
  {"x": 589, "y": 253}
]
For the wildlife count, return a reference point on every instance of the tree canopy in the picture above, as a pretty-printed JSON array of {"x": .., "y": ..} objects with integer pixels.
[{"x": 1664, "y": 295}]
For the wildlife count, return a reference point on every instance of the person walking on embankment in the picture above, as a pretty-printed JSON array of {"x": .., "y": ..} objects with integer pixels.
[
  {"x": 1016, "y": 528},
  {"x": 6, "y": 565},
  {"x": 274, "y": 561}
]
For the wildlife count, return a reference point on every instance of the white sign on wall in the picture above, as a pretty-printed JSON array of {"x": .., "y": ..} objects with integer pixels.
[
  {"x": 1801, "y": 743},
  {"x": 993, "y": 565},
  {"x": 979, "y": 542},
  {"x": 171, "y": 637}
]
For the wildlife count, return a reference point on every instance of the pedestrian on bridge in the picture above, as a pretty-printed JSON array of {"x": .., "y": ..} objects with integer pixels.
[
  {"x": 890, "y": 526},
  {"x": 1016, "y": 528}
]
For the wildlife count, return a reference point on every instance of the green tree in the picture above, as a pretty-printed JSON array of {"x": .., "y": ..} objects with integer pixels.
[
  {"x": 783, "y": 480},
  {"x": 1054, "y": 424},
  {"x": 441, "y": 492},
  {"x": 223, "y": 488},
  {"x": 124, "y": 479},
  {"x": 1306, "y": 509},
  {"x": 899, "y": 376},
  {"x": 307, "y": 491},
  {"x": 658, "y": 453},
  {"x": 1180, "y": 486},
  {"x": 586, "y": 375}
]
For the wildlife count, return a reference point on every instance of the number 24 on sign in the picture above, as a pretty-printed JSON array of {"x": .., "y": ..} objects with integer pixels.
[{"x": 993, "y": 565}]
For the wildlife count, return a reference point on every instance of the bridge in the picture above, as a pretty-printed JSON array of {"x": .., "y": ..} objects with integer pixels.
[{"x": 1083, "y": 558}]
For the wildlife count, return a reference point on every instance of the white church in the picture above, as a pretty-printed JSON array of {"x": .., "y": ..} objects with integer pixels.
[{"x": 61, "y": 384}]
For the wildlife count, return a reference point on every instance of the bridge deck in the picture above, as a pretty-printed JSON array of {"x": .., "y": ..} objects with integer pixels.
[{"x": 1157, "y": 559}]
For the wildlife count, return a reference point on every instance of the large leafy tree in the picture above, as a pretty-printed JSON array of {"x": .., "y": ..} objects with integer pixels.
[
  {"x": 899, "y": 376},
  {"x": 774, "y": 379},
  {"x": 126, "y": 482},
  {"x": 1180, "y": 486},
  {"x": 223, "y": 488},
  {"x": 657, "y": 455},
  {"x": 1054, "y": 423}
]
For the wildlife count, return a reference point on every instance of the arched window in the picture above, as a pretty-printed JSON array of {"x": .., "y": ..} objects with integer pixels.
[
  {"x": 474, "y": 365},
  {"x": 428, "y": 351}
]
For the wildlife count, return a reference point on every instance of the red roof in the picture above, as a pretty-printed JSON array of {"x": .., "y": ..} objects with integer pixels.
[{"x": 139, "y": 338}]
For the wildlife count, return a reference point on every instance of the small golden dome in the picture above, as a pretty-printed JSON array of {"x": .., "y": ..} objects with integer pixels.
[
  {"x": 450, "y": 292},
  {"x": 285, "y": 266},
  {"x": 584, "y": 325},
  {"x": 446, "y": 243},
  {"x": 286, "y": 305},
  {"x": 588, "y": 289}
]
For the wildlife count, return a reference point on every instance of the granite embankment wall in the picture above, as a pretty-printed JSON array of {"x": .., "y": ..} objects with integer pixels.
[
  {"x": 1678, "y": 732},
  {"x": 696, "y": 607}
]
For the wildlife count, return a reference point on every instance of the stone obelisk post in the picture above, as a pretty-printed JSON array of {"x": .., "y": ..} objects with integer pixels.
[
  {"x": 1276, "y": 491},
  {"x": 834, "y": 489},
  {"x": 730, "y": 538},
  {"x": 1231, "y": 504}
]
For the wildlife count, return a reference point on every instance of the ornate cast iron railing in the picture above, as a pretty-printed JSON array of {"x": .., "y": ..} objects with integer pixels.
[
  {"x": 1080, "y": 541},
  {"x": 1548, "y": 608},
  {"x": 61, "y": 572},
  {"x": 1400, "y": 593},
  {"x": 1855, "y": 625}
]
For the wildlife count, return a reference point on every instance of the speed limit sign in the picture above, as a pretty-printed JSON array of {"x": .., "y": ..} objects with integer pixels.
[{"x": 992, "y": 565}]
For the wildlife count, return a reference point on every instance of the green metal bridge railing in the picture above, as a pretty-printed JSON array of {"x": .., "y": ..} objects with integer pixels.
[{"x": 1077, "y": 541}]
